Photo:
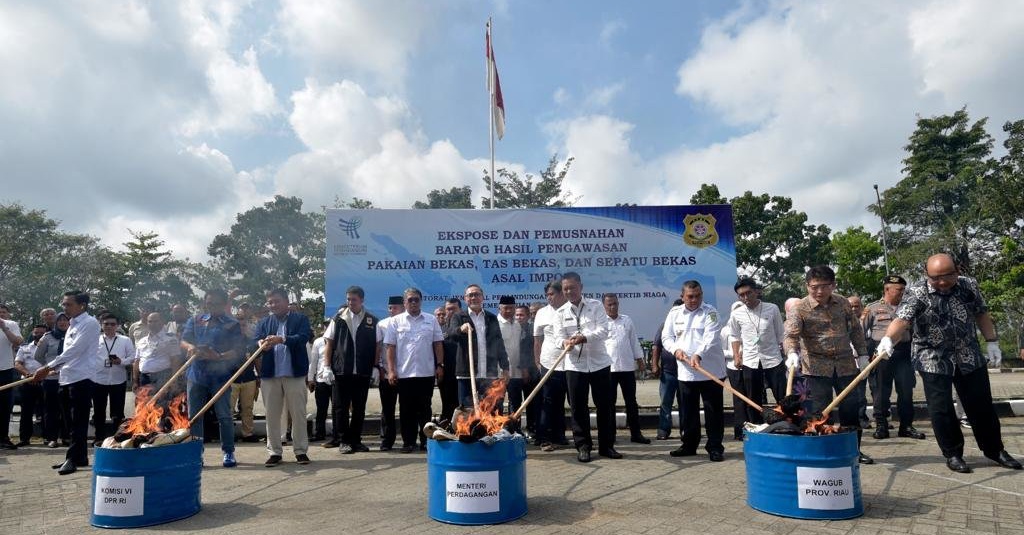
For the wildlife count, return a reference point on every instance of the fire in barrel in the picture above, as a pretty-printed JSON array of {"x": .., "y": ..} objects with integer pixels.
[
  {"x": 148, "y": 473},
  {"x": 476, "y": 465}
]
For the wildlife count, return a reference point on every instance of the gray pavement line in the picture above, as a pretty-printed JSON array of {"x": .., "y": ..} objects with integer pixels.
[{"x": 952, "y": 479}]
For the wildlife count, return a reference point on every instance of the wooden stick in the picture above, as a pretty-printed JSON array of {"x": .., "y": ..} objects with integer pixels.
[
  {"x": 729, "y": 388},
  {"x": 226, "y": 387},
  {"x": 789, "y": 381},
  {"x": 536, "y": 388},
  {"x": 853, "y": 384},
  {"x": 19, "y": 382},
  {"x": 163, "y": 389},
  {"x": 472, "y": 367}
]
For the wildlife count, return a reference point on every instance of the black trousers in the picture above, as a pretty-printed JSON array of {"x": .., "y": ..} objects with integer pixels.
[
  {"x": 31, "y": 404},
  {"x": 54, "y": 425},
  {"x": 758, "y": 380},
  {"x": 349, "y": 390},
  {"x": 820, "y": 393},
  {"x": 100, "y": 395},
  {"x": 741, "y": 412},
  {"x": 598, "y": 385},
  {"x": 626, "y": 381},
  {"x": 414, "y": 394},
  {"x": 975, "y": 393},
  {"x": 552, "y": 408},
  {"x": 388, "y": 400},
  {"x": 76, "y": 400},
  {"x": 899, "y": 371},
  {"x": 518, "y": 390},
  {"x": 448, "y": 388},
  {"x": 691, "y": 395},
  {"x": 322, "y": 394},
  {"x": 6, "y": 402}
]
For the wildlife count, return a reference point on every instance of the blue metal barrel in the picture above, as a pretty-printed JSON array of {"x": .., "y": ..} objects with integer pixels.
[
  {"x": 133, "y": 488},
  {"x": 473, "y": 484},
  {"x": 815, "y": 477}
]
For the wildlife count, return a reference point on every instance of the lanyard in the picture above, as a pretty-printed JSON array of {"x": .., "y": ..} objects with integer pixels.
[{"x": 112, "y": 344}]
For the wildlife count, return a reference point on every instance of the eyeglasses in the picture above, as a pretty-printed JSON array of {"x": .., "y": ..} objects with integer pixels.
[
  {"x": 943, "y": 277},
  {"x": 825, "y": 286},
  {"x": 474, "y": 294},
  {"x": 412, "y": 299}
]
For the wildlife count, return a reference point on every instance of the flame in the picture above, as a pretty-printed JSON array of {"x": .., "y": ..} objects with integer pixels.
[
  {"x": 152, "y": 417},
  {"x": 487, "y": 415},
  {"x": 819, "y": 427}
]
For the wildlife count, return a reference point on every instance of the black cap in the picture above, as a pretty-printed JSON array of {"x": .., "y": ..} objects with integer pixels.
[
  {"x": 894, "y": 279},
  {"x": 395, "y": 300},
  {"x": 506, "y": 300}
]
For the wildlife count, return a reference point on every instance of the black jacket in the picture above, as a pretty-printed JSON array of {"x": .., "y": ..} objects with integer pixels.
[
  {"x": 354, "y": 358},
  {"x": 496, "y": 356}
]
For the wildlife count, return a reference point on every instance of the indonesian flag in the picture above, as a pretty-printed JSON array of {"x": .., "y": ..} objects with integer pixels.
[{"x": 494, "y": 87}]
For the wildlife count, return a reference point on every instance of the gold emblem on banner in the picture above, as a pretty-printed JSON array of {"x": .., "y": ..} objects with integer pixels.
[{"x": 700, "y": 230}]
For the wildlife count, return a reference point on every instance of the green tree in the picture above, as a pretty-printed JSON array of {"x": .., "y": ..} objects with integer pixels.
[
  {"x": 513, "y": 191},
  {"x": 935, "y": 206},
  {"x": 859, "y": 264},
  {"x": 356, "y": 203},
  {"x": 274, "y": 245},
  {"x": 774, "y": 242},
  {"x": 455, "y": 197},
  {"x": 145, "y": 273}
]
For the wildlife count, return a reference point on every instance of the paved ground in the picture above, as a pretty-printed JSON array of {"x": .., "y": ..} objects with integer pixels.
[{"x": 908, "y": 491}]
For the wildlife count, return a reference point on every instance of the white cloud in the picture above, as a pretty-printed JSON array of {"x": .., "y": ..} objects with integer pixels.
[
  {"x": 605, "y": 170},
  {"x": 602, "y": 97},
  {"x": 610, "y": 29}
]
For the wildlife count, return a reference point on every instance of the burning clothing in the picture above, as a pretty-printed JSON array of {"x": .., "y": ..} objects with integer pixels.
[{"x": 827, "y": 331}]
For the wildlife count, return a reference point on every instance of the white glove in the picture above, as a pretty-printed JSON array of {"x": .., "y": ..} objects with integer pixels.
[
  {"x": 792, "y": 361},
  {"x": 862, "y": 362},
  {"x": 995, "y": 355},
  {"x": 884, "y": 349}
]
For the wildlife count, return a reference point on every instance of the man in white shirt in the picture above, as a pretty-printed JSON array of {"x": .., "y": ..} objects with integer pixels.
[
  {"x": 691, "y": 334},
  {"x": 157, "y": 355},
  {"x": 319, "y": 380},
  {"x": 25, "y": 364},
  {"x": 415, "y": 358},
  {"x": 623, "y": 345},
  {"x": 78, "y": 365},
  {"x": 582, "y": 326},
  {"x": 10, "y": 338},
  {"x": 545, "y": 353},
  {"x": 388, "y": 392},
  {"x": 115, "y": 351},
  {"x": 491, "y": 360},
  {"x": 519, "y": 348},
  {"x": 756, "y": 340}
]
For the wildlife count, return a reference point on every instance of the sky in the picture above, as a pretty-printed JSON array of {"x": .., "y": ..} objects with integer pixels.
[{"x": 173, "y": 117}]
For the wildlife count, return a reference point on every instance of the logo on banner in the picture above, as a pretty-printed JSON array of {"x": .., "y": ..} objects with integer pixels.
[
  {"x": 700, "y": 230},
  {"x": 351, "y": 227}
]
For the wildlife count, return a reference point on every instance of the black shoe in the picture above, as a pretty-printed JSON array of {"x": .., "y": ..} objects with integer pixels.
[
  {"x": 1004, "y": 459},
  {"x": 386, "y": 447},
  {"x": 640, "y": 439},
  {"x": 881, "y": 433},
  {"x": 360, "y": 448},
  {"x": 272, "y": 461},
  {"x": 910, "y": 432},
  {"x": 67, "y": 468},
  {"x": 609, "y": 453},
  {"x": 737, "y": 437},
  {"x": 957, "y": 464},
  {"x": 331, "y": 444},
  {"x": 560, "y": 441},
  {"x": 863, "y": 458},
  {"x": 407, "y": 449},
  {"x": 683, "y": 451},
  {"x": 865, "y": 424},
  {"x": 716, "y": 456},
  {"x": 250, "y": 439},
  {"x": 22, "y": 443},
  {"x": 58, "y": 465},
  {"x": 318, "y": 438},
  {"x": 302, "y": 458},
  {"x": 423, "y": 447},
  {"x": 661, "y": 436},
  {"x": 8, "y": 445},
  {"x": 346, "y": 449},
  {"x": 583, "y": 455}
]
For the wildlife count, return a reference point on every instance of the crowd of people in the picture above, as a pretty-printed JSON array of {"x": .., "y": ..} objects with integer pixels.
[{"x": 83, "y": 365}]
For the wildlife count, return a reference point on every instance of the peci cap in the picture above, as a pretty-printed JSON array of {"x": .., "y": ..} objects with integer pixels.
[
  {"x": 395, "y": 300},
  {"x": 506, "y": 300},
  {"x": 894, "y": 279}
]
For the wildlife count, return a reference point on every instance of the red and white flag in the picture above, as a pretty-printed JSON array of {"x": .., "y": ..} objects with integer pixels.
[{"x": 494, "y": 87}]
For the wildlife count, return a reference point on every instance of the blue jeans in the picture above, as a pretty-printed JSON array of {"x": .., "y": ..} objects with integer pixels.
[
  {"x": 668, "y": 386},
  {"x": 198, "y": 396}
]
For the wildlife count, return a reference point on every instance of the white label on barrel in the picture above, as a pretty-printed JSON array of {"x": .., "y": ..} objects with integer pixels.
[
  {"x": 119, "y": 496},
  {"x": 472, "y": 492},
  {"x": 825, "y": 488}
]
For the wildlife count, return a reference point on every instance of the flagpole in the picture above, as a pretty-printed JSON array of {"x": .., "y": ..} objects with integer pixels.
[{"x": 490, "y": 115}]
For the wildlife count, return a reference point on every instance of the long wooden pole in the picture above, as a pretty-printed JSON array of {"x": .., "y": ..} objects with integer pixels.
[
  {"x": 167, "y": 386},
  {"x": 536, "y": 388},
  {"x": 789, "y": 381},
  {"x": 472, "y": 367},
  {"x": 19, "y": 382},
  {"x": 853, "y": 384},
  {"x": 226, "y": 387},
  {"x": 729, "y": 388}
]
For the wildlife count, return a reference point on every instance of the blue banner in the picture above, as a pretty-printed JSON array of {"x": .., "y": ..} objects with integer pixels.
[{"x": 641, "y": 253}]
